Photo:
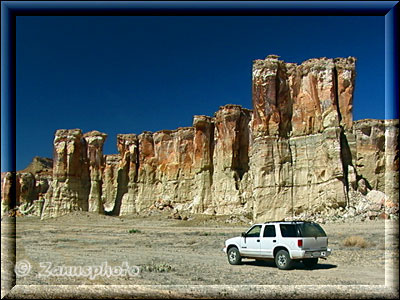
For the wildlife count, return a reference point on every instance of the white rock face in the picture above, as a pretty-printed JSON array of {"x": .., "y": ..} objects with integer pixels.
[
  {"x": 70, "y": 186},
  {"x": 94, "y": 145},
  {"x": 111, "y": 183},
  {"x": 77, "y": 173}
]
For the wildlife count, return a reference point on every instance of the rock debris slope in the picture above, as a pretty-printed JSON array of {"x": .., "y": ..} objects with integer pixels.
[{"x": 298, "y": 153}]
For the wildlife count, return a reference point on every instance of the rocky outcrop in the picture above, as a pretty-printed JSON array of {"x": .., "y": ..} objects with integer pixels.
[
  {"x": 111, "y": 184},
  {"x": 230, "y": 159},
  {"x": 127, "y": 145},
  {"x": 174, "y": 151},
  {"x": 298, "y": 153},
  {"x": 170, "y": 169},
  {"x": 203, "y": 167},
  {"x": 77, "y": 173},
  {"x": 8, "y": 192},
  {"x": 344, "y": 84},
  {"x": 24, "y": 191},
  {"x": 392, "y": 160},
  {"x": 270, "y": 91},
  {"x": 70, "y": 185},
  {"x": 42, "y": 165},
  {"x": 377, "y": 155},
  {"x": 297, "y": 156},
  {"x": 302, "y": 99},
  {"x": 94, "y": 141}
]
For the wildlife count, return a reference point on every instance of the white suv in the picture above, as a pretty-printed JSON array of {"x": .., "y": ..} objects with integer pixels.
[{"x": 282, "y": 241}]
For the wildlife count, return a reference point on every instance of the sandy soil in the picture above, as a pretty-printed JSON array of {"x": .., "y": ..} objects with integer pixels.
[{"x": 156, "y": 250}]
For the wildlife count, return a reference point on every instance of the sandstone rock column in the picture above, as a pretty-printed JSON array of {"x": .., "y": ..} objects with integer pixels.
[
  {"x": 266, "y": 115},
  {"x": 94, "y": 142},
  {"x": 174, "y": 153},
  {"x": 314, "y": 96},
  {"x": 270, "y": 157},
  {"x": 8, "y": 197},
  {"x": 203, "y": 162},
  {"x": 272, "y": 101},
  {"x": 272, "y": 178},
  {"x": 320, "y": 153},
  {"x": 69, "y": 190},
  {"x": 378, "y": 154},
  {"x": 345, "y": 72},
  {"x": 182, "y": 196},
  {"x": 370, "y": 138},
  {"x": 26, "y": 190},
  {"x": 392, "y": 160},
  {"x": 299, "y": 152},
  {"x": 230, "y": 158},
  {"x": 110, "y": 184},
  {"x": 146, "y": 172},
  {"x": 127, "y": 145},
  {"x": 318, "y": 176}
]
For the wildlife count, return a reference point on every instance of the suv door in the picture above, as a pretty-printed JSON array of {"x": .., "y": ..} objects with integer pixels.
[
  {"x": 268, "y": 241},
  {"x": 250, "y": 243}
]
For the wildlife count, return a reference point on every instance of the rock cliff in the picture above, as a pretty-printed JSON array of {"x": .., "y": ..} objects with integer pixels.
[{"x": 298, "y": 153}]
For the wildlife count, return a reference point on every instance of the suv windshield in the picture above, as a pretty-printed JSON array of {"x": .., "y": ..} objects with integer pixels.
[{"x": 311, "y": 230}]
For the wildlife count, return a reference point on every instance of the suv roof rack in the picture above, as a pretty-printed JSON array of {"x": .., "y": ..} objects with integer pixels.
[{"x": 296, "y": 221}]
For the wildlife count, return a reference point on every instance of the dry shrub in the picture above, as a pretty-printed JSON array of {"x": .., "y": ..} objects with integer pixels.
[
  {"x": 158, "y": 267},
  {"x": 355, "y": 240}
]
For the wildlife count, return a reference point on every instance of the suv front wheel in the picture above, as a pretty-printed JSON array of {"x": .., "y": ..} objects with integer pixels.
[
  {"x": 234, "y": 257},
  {"x": 283, "y": 260}
]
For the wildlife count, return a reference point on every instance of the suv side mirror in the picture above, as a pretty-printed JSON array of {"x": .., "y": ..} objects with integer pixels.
[{"x": 243, "y": 234}]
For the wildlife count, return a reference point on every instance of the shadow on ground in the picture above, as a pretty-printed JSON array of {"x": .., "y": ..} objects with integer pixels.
[{"x": 296, "y": 265}]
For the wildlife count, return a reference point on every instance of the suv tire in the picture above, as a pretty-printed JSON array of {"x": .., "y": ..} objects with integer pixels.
[
  {"x": 234, "y": 257},
  {"x": 310, "y": 262},
  {"x": 283, "y": 260}
]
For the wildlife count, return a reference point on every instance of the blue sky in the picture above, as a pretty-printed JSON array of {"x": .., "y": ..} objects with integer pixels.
[{"x": 130, "y": 74}]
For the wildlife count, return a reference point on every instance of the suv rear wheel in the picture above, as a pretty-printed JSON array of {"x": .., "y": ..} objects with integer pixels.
[
  {"x": 283, "y": 260},
  {"x": 234, "y": 257}
]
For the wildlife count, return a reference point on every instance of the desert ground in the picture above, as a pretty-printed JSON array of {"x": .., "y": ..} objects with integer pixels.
[{"x": 157, "y": 250}]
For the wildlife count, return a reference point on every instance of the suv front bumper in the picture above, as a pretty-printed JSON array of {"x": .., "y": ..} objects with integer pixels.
[{"x": 299, "y": 254}]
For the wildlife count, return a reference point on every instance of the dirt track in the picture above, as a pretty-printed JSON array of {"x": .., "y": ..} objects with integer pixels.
[{"x": 177, "y": 252}]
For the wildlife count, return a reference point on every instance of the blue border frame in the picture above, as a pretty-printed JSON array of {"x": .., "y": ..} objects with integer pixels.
[
  {"x": 392, "y": 63},
  {"x": 201, "y": 7},
  {"x": 11, "y": 9}
]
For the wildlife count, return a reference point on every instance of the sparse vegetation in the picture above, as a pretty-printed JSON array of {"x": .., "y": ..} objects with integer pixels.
[
  {"x": 355, "y": 241},
  {"x": 158, "y": 267},
  {"x": 199, "y": 233},
  {"x": 204, "y": 233},
  {"x": 66, "y": 240},
  {"x": 134, "y": 231}
]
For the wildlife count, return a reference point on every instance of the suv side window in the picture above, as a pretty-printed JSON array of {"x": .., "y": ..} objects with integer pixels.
[
  {"x": 269, "y": 231},
  {"x": 289, "y": 230},
  {"x": 254, "y": 232}
]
